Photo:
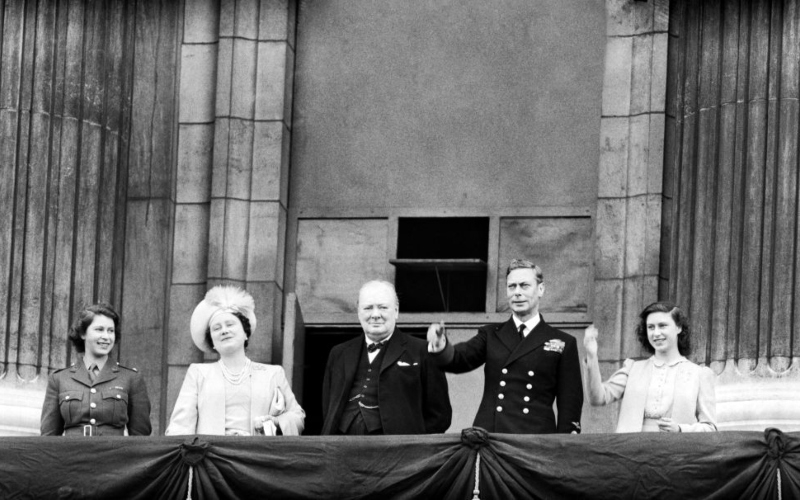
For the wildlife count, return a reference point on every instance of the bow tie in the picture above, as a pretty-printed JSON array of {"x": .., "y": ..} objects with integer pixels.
[{"x": 374, "y": 346}]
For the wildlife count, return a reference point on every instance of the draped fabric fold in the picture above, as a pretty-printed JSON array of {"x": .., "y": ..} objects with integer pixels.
[{"x": 598, "y": 466}]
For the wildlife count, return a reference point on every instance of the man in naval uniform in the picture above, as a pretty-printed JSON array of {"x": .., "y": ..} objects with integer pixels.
[
  {"x": 383, "y": 382},
  {"x": 528, "y": 364}
]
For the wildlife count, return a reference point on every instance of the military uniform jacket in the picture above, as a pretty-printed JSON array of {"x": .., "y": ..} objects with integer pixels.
[
  {"x": 116, "y": 400},
  {"x": 412, "y": 391},
  {"x": 522, "y": 378}
]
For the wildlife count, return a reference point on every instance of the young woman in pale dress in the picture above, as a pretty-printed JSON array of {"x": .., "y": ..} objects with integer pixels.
[{"x": 663, "y": 393}]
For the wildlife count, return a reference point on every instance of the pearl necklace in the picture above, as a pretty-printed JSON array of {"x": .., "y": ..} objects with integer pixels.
[{"x": 235, "y": 378}]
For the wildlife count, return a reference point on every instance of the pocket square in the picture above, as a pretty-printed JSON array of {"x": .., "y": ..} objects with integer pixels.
[
  {"x": 554, "y": 345},
  {"x": 402, "y": 363}
]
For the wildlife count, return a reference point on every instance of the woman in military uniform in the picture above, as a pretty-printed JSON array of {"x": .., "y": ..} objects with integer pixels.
[
  {"x": 96, "y": 396},
  {"x": 234, "y": 396}
]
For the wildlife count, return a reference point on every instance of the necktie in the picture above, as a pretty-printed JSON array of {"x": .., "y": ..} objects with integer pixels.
[
  {"x": 93, "y": 372},
  {"x": 374, "y": 346},
  {"x": 522, "y": 331}
]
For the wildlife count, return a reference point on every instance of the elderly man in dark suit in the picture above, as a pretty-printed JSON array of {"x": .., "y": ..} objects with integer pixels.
[
  {"x": 383, "y": 382},
  {"x": 527, "y": 363}
]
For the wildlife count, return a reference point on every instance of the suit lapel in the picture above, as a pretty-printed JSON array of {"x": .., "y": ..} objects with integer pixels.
[
  {"x": 533, "y": 341},
  {"x": 395, "y": 348},
  {"x": 109, "y": 372},
  {"x": 508, "y": 335},
  {"x": 80, "y": 373}
]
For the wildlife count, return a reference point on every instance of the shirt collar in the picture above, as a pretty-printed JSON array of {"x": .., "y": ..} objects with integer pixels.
[
  {"x": 100, "y": 364},
  {"x": 385, "y": 341},
  {"x": 661, "y": 364},
  {"x": 530, "y": 324}
]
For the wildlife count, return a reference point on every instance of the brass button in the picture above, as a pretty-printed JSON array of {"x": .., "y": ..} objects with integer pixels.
[
  {"x": 67, "y": 397},
  {"x": 504, "y": 371},
  {"x": 530, "y": 373},
  {"x": 93, "y": 390},
  {"x": 499, "y": 408},
  {"x": 529, "y": 386},
  {"x": 93, "y": 405},
  {"x": 502, "y": 383},
  {"x": 526, "y": 398},
  {"x": 500, "y": 396},
  {"x": 120, "y": 397},
  {"x": 525, "y": 410},
  {"x": 92, "y": 421}
]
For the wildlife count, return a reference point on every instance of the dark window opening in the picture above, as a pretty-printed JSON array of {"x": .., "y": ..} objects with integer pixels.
[{"x": 441, "y": 264}]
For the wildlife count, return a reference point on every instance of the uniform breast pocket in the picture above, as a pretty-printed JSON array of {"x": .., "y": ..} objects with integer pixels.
[
  {"x": 115, "y": 402},
  {"x": 69, "y": 403}
]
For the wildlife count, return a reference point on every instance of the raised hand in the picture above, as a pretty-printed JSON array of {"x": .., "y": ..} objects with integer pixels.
[
  {"x": 436, "y": 337},
  {"x": 590, "y": 340}
]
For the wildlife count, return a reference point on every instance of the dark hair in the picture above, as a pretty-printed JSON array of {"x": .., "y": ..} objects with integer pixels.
[
  {"x": 526, "y": 264},
  {"x": 245, "y": 326},
  {"x": 85, "y": 318},
  {"x": 678, "y": 316}
]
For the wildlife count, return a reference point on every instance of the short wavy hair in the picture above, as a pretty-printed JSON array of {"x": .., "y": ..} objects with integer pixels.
[
  {"x": 85, "y": 318},
  {"x": 526, "y": 264},
  {"x": 678, "y": 316},
  {"x": 248, "y": 330}
]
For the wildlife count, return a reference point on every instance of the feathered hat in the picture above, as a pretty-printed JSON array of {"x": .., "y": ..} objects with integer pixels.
[{"x": 220, "y": 299}]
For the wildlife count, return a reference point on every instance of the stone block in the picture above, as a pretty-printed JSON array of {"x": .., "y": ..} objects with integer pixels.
[
  {"x": 652, "y": 246},
  {"x": 269, "y": 308},
  {"x": 641, "y": 73},
  {"x": 608, "y": 317},
  {"x": 658, "y": 72},
  {"x": 243, "y": 80},
  {"x": 190, "y": 247},
  {"x": 240, "y": 159},
  {"x": 635, "y": 235},
  {"x": 271, "y": 81},
  {"x": 289, "y": 87},
  {"x": 613, "y": 166},
  {"x": 281, "y": 257},
  {"x": 219, "y": 168},
  {"x": 236, "y": 234},
  {"x": 201, "y": 21},
  {"x": 610, "y": 239},
  {"x": 216, "y": 239},
  {"x": 274, "y": 19},
  {"x": 269, "y": 148},
  {"x": 638, "y": 155},
  {"x": 227, "y": 18},
  {"x": 182, "y": 301},
  {"x": 633, "y": 302},
  {"x": 655, "y": 157},
  {"x": 195, "y": 160},
  {"x": 262, "y": 253},
  {"x": 627, "y": 17},
  {"x": 617, "y": 77},
  {"x": 175, "y": 376},
  {"x": 197, "y": 86},
  {"x": 247, "y": 19},
  {"x": 224, "y": 75},
  {"x": 660, "y": 15}
]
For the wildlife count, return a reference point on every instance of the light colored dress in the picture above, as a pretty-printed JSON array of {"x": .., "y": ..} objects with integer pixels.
[
  {"x": 201, "y": 407},
  {"x": 651, "y": 390}
]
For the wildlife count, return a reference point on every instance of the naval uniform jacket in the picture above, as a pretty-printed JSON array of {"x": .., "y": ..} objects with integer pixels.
[
  {"x": 412, "y": 391},
  {"x": 200, "y": 407},
  {"x": 74, "y": 405},
  {"x": 522, "y": 378}
]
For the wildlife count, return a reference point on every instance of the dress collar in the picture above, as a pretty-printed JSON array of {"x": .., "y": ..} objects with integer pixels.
[{"x": 661, "y": 364}]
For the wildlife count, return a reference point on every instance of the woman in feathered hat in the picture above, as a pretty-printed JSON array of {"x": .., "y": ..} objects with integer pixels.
[{"x": 233, "y": 396}]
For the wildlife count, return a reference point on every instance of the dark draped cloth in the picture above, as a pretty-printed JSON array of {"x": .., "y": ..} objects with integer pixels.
[{"x": 719, "y": 465}]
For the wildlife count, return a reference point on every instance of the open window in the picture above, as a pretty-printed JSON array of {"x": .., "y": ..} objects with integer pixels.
[{"x": 441, "y": 263}]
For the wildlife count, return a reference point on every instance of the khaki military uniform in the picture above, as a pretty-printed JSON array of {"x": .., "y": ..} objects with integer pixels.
[{"x": 76, "y": 406}]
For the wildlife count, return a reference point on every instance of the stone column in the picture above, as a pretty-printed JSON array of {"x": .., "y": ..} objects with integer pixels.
[
  {"x": 232, "y": 186},
  {"x": 628, "y": 223}
]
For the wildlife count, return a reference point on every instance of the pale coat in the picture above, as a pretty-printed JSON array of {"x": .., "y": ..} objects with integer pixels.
[
  {"x": 693, "y": 406},
  {"x": 200, "y": 408}
]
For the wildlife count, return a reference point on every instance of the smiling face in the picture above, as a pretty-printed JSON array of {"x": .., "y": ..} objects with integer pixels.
[
  {"x": 227, "y": 333},
  {"x": 523, "y": 292},
  {"x": 662, "y": 332},
  {"x": 99, "y": 338},
  {"x": 377, "y": 310}
]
